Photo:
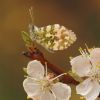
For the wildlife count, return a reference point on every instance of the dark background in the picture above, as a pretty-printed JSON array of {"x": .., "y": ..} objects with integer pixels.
[{"x": 81, "y": 16}]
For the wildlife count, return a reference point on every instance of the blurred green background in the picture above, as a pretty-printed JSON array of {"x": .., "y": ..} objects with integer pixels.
[{"x": 82, "y": 16}]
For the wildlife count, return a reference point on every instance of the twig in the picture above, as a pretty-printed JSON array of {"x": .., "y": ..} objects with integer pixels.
[{"x": 37, "y": 55}]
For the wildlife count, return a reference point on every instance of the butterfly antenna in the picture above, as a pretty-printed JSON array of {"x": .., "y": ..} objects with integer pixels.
[{"x": 31, "y": 15}]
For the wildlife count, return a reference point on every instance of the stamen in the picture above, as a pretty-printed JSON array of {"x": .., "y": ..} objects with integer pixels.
[
  {"x": 58, "y": 76},
  {"x": 87, "y": 47},
  {"x": 46, "y": 70},
  {"x": 85, "y": 51},
  {"x": 53, "y": 94},
  {"x": 81, "y": 51}
]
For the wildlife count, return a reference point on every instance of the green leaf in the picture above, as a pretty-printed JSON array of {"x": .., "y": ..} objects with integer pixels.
[
  {"x": 26, "y": 38},
  {"x": 75, "y": 76}
]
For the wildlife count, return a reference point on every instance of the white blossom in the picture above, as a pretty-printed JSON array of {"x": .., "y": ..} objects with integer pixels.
[
  {"x": 39, "y": 86},
  {"x": 87, "y": 65}
]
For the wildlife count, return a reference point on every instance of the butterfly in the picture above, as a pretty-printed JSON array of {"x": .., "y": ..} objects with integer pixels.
[{"x": 52, "y": 37}]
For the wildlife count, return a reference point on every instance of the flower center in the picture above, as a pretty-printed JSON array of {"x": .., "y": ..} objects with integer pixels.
[
  {"x": 45, "y": 85},
  {"x": 95, "y": 75},
  {"x": 47, "y": 82}
]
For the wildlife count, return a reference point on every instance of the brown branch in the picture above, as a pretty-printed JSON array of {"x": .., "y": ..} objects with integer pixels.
[{"x": 37, "y": 55}]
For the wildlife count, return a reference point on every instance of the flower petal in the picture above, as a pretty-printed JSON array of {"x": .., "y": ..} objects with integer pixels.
[
  {"x": 31, "y": 87},
  {"x": 36, "y": 98},
  {"x": 81, "y": 65},
  {"x": 61, "y": 91},
  {"x": 47, "y": 96},
  {"x": 35, "y": 69},
  {"x": 94, "y": 93},
  {"x": 85, "y": 87},
  {"x": 95, "y": 56}
]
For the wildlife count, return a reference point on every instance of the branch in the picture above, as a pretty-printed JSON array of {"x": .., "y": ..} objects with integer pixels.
[{"x": 37, "y": 55}]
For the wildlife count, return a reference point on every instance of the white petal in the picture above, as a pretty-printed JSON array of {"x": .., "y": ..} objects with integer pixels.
[
  {"x": 81, "y": 65},
  {"x": 47, "y": 96},
  {"x": 35, "y": 69},
  {"x": 31, "y": 87},
  {"x": 94, "y": 93},
  {"x": 36, "y": 98},
  {"x": 61, "y": 91},
  {"x": 84, "y": 87},
  {"x": 95, "y": 56}
]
